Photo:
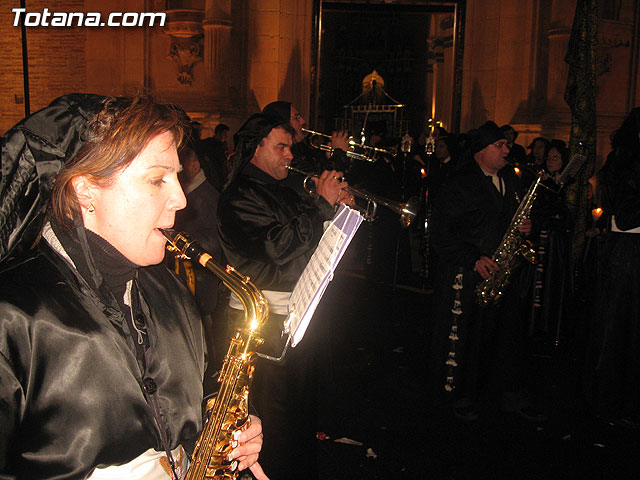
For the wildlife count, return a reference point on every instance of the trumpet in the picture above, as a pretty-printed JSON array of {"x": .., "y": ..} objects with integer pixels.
[
  {"x": 368, "y": 153},
  {"x": 407, "y": 210}
]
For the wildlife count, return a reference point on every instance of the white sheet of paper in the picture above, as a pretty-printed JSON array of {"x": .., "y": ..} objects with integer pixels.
[{"x": 319, "y": 271}]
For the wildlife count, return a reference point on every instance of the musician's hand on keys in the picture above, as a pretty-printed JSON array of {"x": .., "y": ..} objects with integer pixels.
[
  {"x": 347, "y": 198},
  {"x": 329, "y": 185},
  {"x": 248, "y": 446},
  {"x": 485, "y": 267},
  {"x": 525, "y": 227}
]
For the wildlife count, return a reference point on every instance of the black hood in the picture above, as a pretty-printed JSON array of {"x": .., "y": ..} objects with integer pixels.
[
  {"x": 33, "y": 152},
  {"x": 247, "y": 139}
]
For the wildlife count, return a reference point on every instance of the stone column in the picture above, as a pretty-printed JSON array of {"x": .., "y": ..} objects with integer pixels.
[
  {"x": 557, "y": 118},
  {"x": 264, "y": 50},
  {"x": 279, "y": 38},
  {"x": 217, "y": 32}
]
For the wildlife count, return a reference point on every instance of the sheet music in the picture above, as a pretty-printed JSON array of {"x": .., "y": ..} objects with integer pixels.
[
  {"x": 576, "y": 162},
  {"x": 319, "y": 271}
]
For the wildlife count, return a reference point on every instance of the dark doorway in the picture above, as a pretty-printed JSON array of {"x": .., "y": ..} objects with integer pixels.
[{"x": 415, "y": 48}]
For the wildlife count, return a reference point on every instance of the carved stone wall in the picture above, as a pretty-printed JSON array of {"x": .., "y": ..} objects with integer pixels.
[
  {"x": 251, "y": 52},
  {"x": 441, "y": 58},
  {"x": 514, "y": 68},
  {"x": 243, "y": 54},
  {"x": 279, "y": 47},
  {"x": 115, "y": 56}
]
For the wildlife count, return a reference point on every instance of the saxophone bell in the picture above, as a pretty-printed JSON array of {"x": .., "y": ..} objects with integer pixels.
[{"x": 527, "y": 251}]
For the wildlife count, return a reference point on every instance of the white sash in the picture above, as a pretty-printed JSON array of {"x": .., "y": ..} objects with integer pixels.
[
  {"x": 278, "y": 301},
  {"x": 614, "y": 227},
  {"x": 148, "y": 466}
]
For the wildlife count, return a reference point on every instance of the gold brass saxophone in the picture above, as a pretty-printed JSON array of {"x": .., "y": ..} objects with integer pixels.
[
  {"x": 228, "y": 411},
  {"x": 490, "y": 290}
]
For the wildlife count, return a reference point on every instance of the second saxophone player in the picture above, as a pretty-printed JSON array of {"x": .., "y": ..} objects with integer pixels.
[{"x": 479, "y": 349}]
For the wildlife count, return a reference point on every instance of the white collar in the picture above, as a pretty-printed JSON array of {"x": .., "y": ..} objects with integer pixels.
[{"x": 487, "y": 173}]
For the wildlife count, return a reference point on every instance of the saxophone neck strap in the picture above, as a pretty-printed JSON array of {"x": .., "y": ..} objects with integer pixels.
[{"x": 148, "y": 386}]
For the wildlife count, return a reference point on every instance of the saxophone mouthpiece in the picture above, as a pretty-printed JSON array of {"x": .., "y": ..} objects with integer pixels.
[{"x": 169, "y": 233}]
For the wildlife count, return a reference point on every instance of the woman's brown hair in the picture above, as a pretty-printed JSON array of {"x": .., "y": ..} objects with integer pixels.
[{"x": 117, "y": 134}]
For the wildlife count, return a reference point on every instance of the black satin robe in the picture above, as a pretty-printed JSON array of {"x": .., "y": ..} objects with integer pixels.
[
  {"x": 267, "y": 230},
  {"x": 613, "y": 364},
  {"x": 70, "y": 384},
  {"x": 199, "y": 219},
  {"x": 551, "y": 299}
]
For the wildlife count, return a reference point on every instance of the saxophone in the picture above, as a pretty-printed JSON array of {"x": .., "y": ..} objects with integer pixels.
[
  {"x": 228, "y": 411},
  {"x": 490, "y": 290}
]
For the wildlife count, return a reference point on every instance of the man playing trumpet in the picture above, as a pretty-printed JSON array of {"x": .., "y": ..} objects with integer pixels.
[
  {"x": 305, "y": 156},
  {"x": 269, "y": 232}
]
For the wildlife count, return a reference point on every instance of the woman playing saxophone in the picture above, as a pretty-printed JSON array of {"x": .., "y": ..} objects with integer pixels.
[{"x": 101, "y": 348}]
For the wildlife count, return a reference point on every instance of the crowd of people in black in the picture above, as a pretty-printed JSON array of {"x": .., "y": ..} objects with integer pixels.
[
  {"x": 556, "y": 298},
  {"x": 245, "y": 207},
  {"x": 562, "y": 297},
  {"x": 470, "y": 186}
]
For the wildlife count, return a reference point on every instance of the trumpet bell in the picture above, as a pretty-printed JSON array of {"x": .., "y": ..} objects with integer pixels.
[
  {"x": 408, "y": 211},
  {"x": 357, "y": 151}
]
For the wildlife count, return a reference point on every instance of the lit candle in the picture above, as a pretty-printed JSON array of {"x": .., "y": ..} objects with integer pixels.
[
  {"x": 517, "y": 170},
  {"x": 596, "y": 213}
]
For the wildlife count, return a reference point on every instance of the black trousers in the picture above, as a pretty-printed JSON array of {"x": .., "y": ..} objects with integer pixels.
[
  {"x": 284, "y": 396},
  {"x": 492, "y": 343}
]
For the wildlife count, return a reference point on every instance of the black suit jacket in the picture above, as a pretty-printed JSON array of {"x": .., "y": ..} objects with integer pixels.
[{"x": 470, "y": 216}]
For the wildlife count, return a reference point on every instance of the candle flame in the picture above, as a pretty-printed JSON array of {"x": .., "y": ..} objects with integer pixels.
[{"x": 596, "y": 213}]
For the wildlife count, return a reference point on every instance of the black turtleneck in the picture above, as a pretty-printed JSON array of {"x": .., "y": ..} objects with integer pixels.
[{"x": 114, "y": 268}]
